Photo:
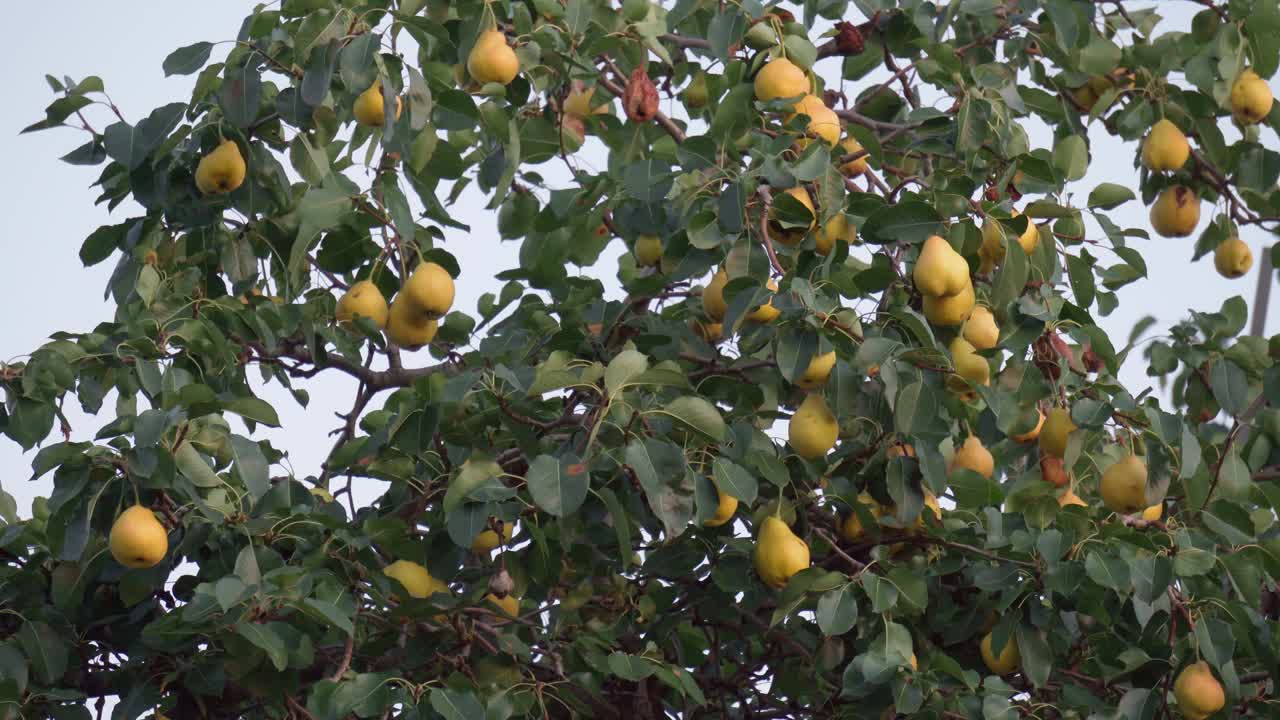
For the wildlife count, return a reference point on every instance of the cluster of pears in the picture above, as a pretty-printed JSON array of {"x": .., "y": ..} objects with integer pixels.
[
  {"x": 1123, "y": 486},
  {"x": 412, "y": 319},
  {"x": 715, "y": 305},
  {"x": 137, "y": 539},
  {"x": 418, "y": 583},
  {"x": 991, "y": 252},
  {"x": 941, "y": 275}
]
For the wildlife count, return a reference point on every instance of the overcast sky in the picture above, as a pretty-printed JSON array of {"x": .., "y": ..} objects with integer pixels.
[{"x": 49, "y": 210}]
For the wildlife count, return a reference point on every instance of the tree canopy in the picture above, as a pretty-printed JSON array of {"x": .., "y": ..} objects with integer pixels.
[{"x": 842, "y": 439}]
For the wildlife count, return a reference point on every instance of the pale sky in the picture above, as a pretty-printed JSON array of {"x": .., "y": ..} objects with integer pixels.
[{"x": 49, "y": 210}]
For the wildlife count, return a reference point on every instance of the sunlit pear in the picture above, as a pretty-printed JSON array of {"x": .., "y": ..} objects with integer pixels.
[
  {"x": 415, "y": 579},
  {"x": 1007, "y": 661},
  {"x": 837, "y": 228},
  {"x": 968, "y": 363},
  {"x": 1034, "y": 432},
  {"x": 849, "y": 146},
  {"x": 975, "y": 456},
  {"x": 915, "y": 665},
  {"x": 780, "y": 78},
  {"x": 1071, "y": 498},
  {"x": 1054, "y": 471},
  {"x": 222, "y": 170},
  {"x": 726, "y": 507},
  {"x": 648, "y": 250},
  {"x": 1057, "y": 426},
  {"x": 981, "y": 329},
  {"x": 1251, "y": 98},
  {"x": 362, "y": 299},
  {"x": 823, "y": 122},
  {"x": 696, "y": 94},
  {"x": 813, "y": 429},
  {"x": 851, "y": 527},
  {"x": 949, "y": 311},
  {"x": 1197, "y": 692},
  {"x": 992, "y": 249},
  {"x": 578, "y": 104},
  {"x": 407, "y": 327},
  {"x": 791, "y": 236},
  {"x": 487, "y": 540},
  {"x": 818, "y": 371},
  {"x": 429, "y": 290},
  {"x": 930, "y": 504},
  {"x": 1030, "y": 238},
  {"x": 711, "y": 332},
  {"x": 1124, "y": 486},
  {"x": 138, "y": 540},
  {"x": 713, "y": 302},
  {"x": 1165, "y": 147},
  {"x": 765, "y": 313},
  {"x": 1233, "y": 258},
  {"x": 1176, "y": 212},
  {"x": 779, "y": 554},
  {"x": 508, "y": 605},
  {"x": 492, "y": 59},
  {"x": 1153, "y": 513},
  {"x": 899, "y": 449},
  {"x": 940, "y": 271},
  {"x": 368, "y": 107}
]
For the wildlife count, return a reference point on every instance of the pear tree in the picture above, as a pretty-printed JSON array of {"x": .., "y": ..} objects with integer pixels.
[{"x": 787, "y": 392}]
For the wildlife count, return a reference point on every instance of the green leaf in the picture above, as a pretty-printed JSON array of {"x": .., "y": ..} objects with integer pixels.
[
  {"x": 47, "y": 651},
  {"x": 241, "y": 96},
  {"x": 186, "y": 60},
  {"x": 355, "y": 63},
  {"x": 837, "y": 611},
  {"x": 1080, "y": 274},
  {"x": 910, "y": 221},
  {"x": 250, "y": 465},
  {"x": 624, "y": 367},
  {"x": 1012, "y": 277},
  {"x": 916, "y": 409},
  {"x": 268, "y": 640},
  {"x": 321, "y": 208},
  {"x": 456, "y": 704},
  {"x": 253, "y": 408},
  {"x": 883, "y": 594},
  {"x": 1216, "y": 641},
  {"x": 1071, "y": 157},
  {"x": 1037, "y": 657},
  {"x": 732, "y": 479},
  {"x": 194, "y": 468},
  {"x": 1109, "y": 195},
  {"x": 1109, "y": 572},
  {"x": 558, "y": 484},
  {"x": 697, "y": 414},
  {"x": 1230, "y": 386}
]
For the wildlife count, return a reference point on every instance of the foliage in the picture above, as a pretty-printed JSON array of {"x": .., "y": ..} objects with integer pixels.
[{"x": 608, "y": 431}]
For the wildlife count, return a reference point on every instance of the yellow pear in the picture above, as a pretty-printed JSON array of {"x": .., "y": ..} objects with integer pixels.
[
  {"x": 486, "y": 540},
  {"x": 931, "y": 504},
  {"x": 508, "y": 605},
  {"x": 138, "y": 540},
  {"x": 968, "y": 363},
  {"x": 1153, "y": 513},
  {"x": 415, "y": 579},
  {"x": 899, "y": 449},
  {"x": 222, "y": 170},
  {"x": 780, "y": 78},
  {"x": 813, "y": 429},
  {"x": 791, "y": 236},
  {"x": 429, "y": 290},
  {"x": 940, "y": 271},
  {"x": 648, "y": 250},
  {"x": 823, "y": 123},
  {"x": 1057, "y": 426},
  {"x": 837, "y": 228},
  {"x": 980, "y": 329},
  {"x": 1251, "y": 98},
  {"x": 709, "y": 331},
  {"x": 713, "y": 302},
  {"x": 726, "y": 507},
  {"x": 368, "y": 107},
  {"x": 407, "y": 327},
  {"x": 1176, "y": 212},
  {"x": 765, "y": 313},
  {"x": 1034, "y": 432},
  {"x": 362, "y": 299},
  {"x": 992, "y": 249},
  {"x": 1071, "y": 498},
  {"x": 1124, "y": 486},
  {"x": 492, "y": 59},
  {"x": 851, "y": 528},
  {"x": 1166, "y": 147},
  {"x": 1232, "y": 258},
  {"x": 1030, "y": 238},
  {"x": 850, "y": 146},
  {"x": 1008, "y": 659},
  {"x": 578, "y": 104},
  {"x": 818, "y": 371},
  {"x": 1197, "y": 692},
  {"x": 975, "y": 456},
  {"x": 949, "y": 311},
  {"x": 779, "y": 554}
]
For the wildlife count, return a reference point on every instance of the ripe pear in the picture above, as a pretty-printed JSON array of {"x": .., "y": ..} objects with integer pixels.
[
  {"x": 648, "y": 250},
  {"x": 1197, "y": 692},
  {"x": 713, "y": 302},
  {"x": 578, "y": 104},
  {"x": 486, "y": 540},
  {"x": 415, "y": 579},
  {"x": 792, "y": 236},
  {"x": 407, "y": 327},
  {"x": 765, "y": 313},
  {"x": 368, "y": 107},
  {"x": 1071, "y": 498},
  {"x": 818, "y": 371},
  {"x": 1008, "y": 659},
  {"x": 1054, "y": 471},
  {"x": 1251, "y": 98},
  {"x": 949, "y": 311},
  {"x": 1034, "y": 432},
  {"x": 1057, "y": 426},
  {"x": 813, "y": 429},
  {"x": 940, "y": 271},
  {"x": 1124, "y": 486},
  {"x": 1030, "y": 238},
  {"x": 1232, "y": 258},
  {"x": 1166, "y": 147},
  {"x": 780, "y": 78},
  {"x": 823, "y": 123},
  {"x": 849, "y": 146},
  {"x": 492, "y": 59},
  {"x": 980, "y": 329},
  {"x": 696, "y": 94},
  {"x": 968, "y": 363},
  {"x": 1176, "y": 212},
  {"x": 137, "y": 539},
  {"x": 222, "y": 170},
  {"x": 837, "y": 228},
  {"x": 508, "y": 605},
  {"x": 1153, "y": 513},
  {"x": 710, "y": 332},
  {"x": 429, "y": 290},
  {"x": 362, "y": 299},
  {"x": 931, "y": 504},
  {"x": 779, "y": 554},
  {"x": 975, "y": 456},
  {"x": 851, "y": 528},
  {"x": 726, "y": 507}
]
